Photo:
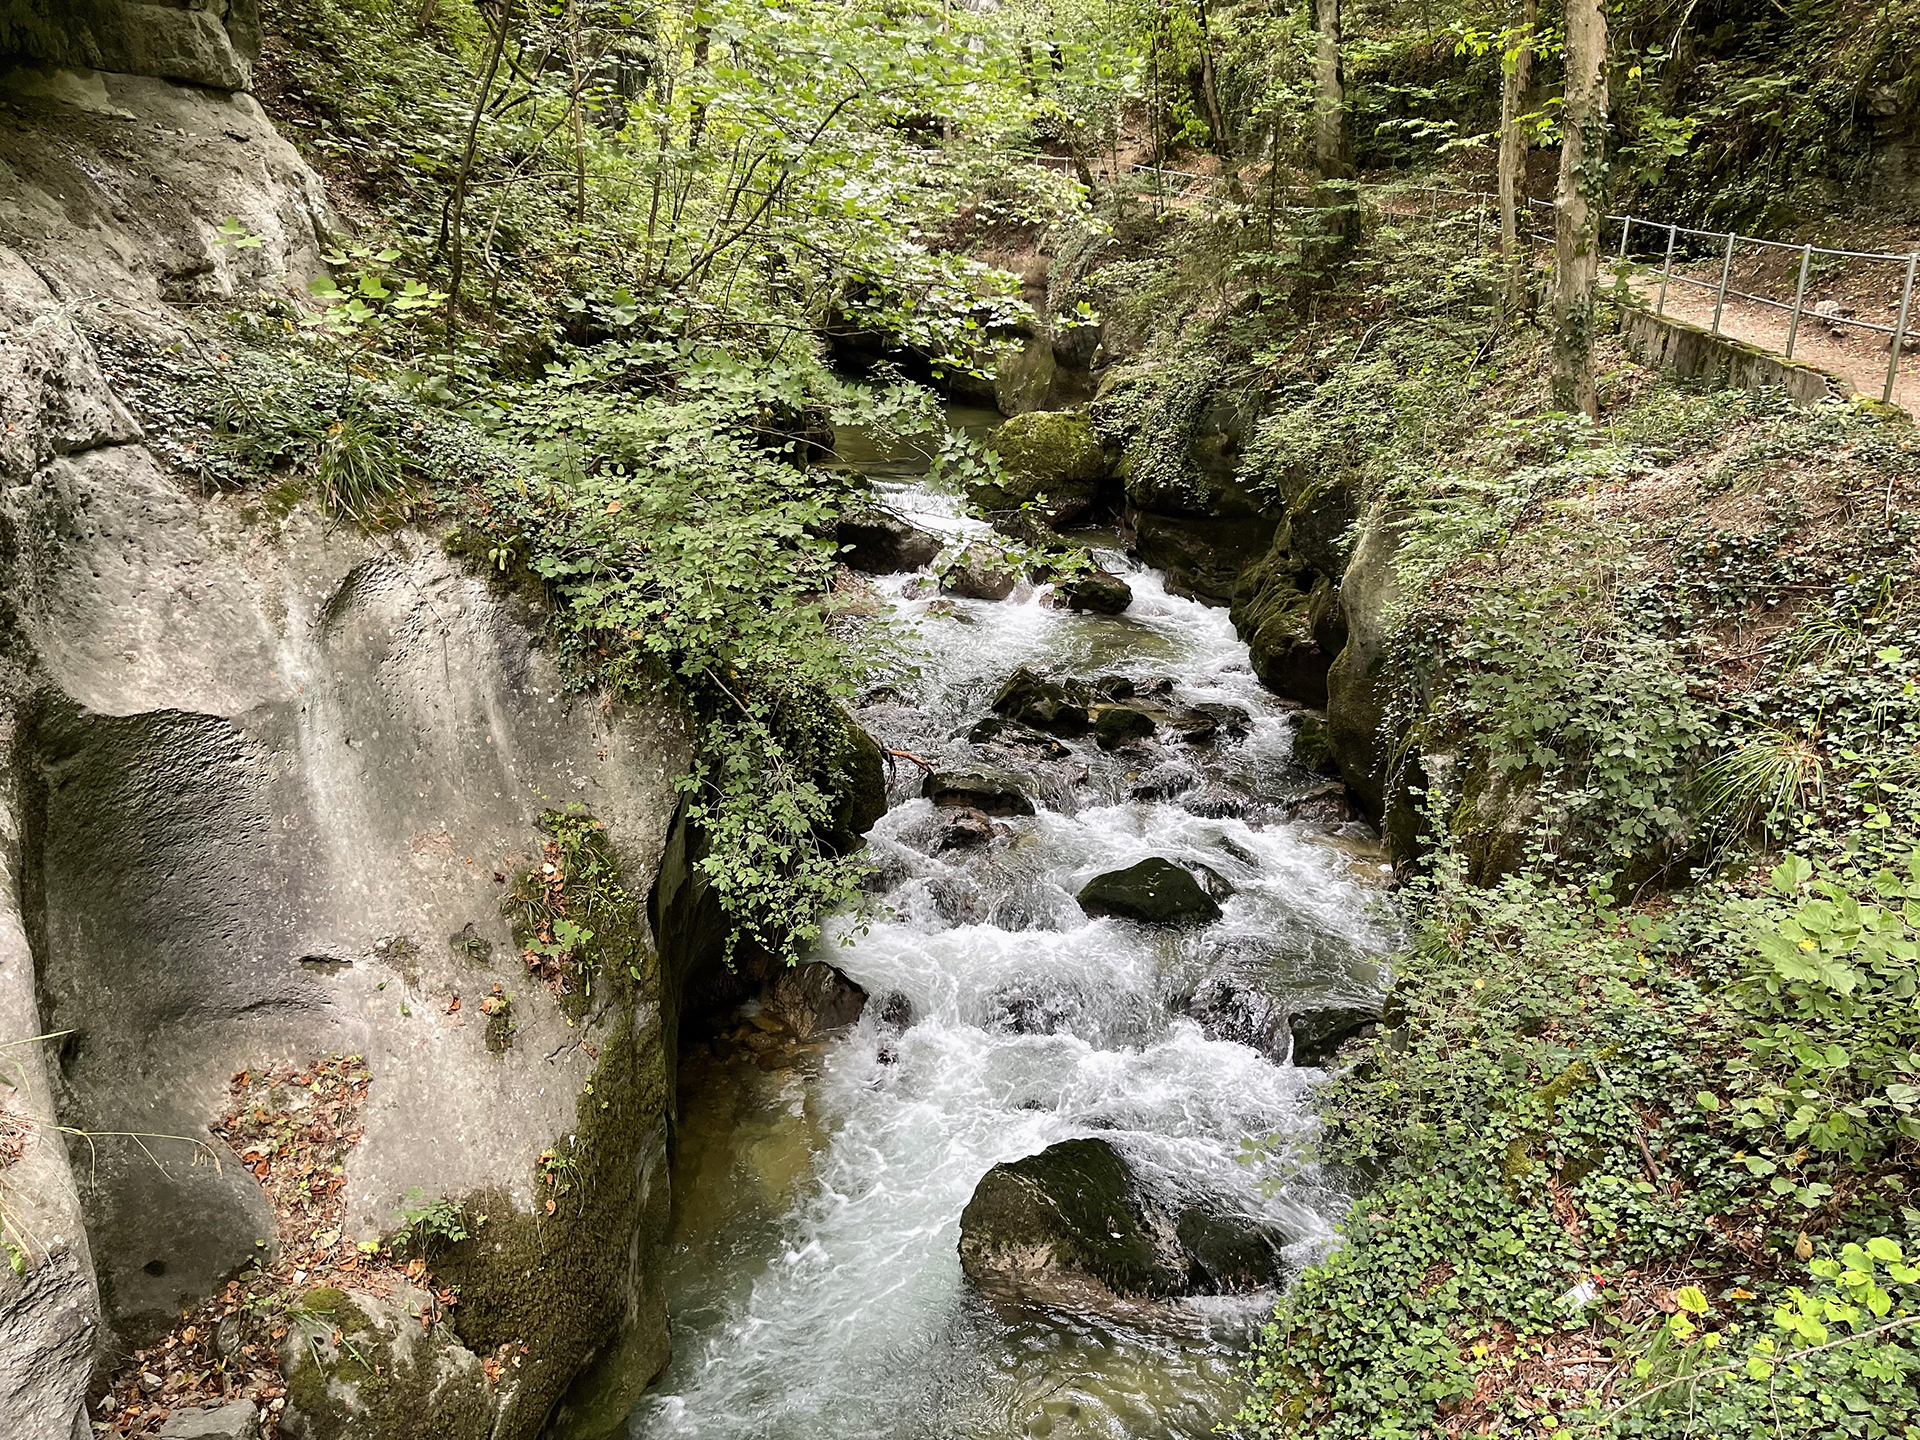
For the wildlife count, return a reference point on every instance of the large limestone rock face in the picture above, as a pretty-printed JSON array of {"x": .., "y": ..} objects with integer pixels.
[
  {"x": 258, "y": 776},
  {"x": 205, "y": 42}
]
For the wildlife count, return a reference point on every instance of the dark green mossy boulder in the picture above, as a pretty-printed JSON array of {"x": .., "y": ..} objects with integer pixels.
[
  {"x": 1275, "y": 616},
  {"x": 1049, "y": 458},
  {"x": 1068, "y": 1226},
  {"x": 1155, "y": 891},
  {"x": 1203, "y": 558},
  {"x": 1100, "y": 591},
  {"x": 858, "y": 779},
  {"x": 1313, "y": 746},
  {"x": 1048, "y": 705},
  {"x": 1117, "y": 725},
  {"x": 1231, "y": 1254}
]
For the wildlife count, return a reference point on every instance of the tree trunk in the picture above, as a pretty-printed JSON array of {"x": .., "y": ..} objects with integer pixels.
[
  {"x": 1332, "y": 154},
  {"x": 1210, "y": 86},
  {"x": 1576, "y": 212},
  {"x": 458, "y": 207},
  {"x": 1516, "y": 227}
]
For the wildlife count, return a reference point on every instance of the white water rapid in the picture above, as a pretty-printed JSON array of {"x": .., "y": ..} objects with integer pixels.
[{"x": 816, "y": 1291}]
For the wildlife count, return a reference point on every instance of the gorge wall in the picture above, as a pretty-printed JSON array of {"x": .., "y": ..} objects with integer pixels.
[{"x": 264, "y": 779}]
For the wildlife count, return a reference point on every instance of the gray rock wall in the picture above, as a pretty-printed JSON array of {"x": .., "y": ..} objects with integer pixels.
[
  {"x": 258, "y": 772},
  {"x": 204, "y": 42}
]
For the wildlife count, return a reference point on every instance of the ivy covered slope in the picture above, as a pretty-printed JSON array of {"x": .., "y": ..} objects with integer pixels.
[{"x": 1640, "y": 701}]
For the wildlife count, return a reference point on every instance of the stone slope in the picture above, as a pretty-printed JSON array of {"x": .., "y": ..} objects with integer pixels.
[{"x": 259, "y": 780}]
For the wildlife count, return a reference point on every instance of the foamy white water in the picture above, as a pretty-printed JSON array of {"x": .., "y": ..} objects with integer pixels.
[{"x": 817, "y": 1291}]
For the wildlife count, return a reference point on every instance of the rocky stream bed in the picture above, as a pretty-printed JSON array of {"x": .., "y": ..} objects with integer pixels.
[{"x": 1110, "y": 912}]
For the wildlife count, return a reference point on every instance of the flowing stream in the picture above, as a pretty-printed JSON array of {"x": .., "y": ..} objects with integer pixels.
[{"x": 815, "y": 1290}]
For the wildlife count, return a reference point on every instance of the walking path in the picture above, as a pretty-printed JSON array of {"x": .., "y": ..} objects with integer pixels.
[{"x": 1858, "y": 357}]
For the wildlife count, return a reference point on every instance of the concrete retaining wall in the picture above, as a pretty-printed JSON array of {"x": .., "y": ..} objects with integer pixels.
[{"x": 1726, "y": 363}]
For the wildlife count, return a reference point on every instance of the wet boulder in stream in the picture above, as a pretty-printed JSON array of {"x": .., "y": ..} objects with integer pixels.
[
  {"x": 1154, "y": 890},
  {"x": 960, "y": 827},
  {"x": 1117, "y": 725},
  {"x": 1100, "y": 591},
  {"x": 1230, "y": 1253},
  {"x": 1052, "y": 459},
  {"x": 1069, "y": 1226},
  {"x": 1044, "y": 704},
  {"x": 991, "y": 792},
  {"x": 810, "y": 998},
  {"x": 1074, "y": 1227},
  {"x": 980, "y": 573},
  {"x": 1229, "y": 1008},
  {"x": 876, "y": 541}
]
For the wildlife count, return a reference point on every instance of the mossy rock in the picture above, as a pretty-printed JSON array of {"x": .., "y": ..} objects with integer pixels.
[
  {"x": 1313, "y": 746},
  {"x": 1359, "y": 688},
  {"x": 991, "y": 792},
  {"x": 1318, "y": 533},
  {"x": 858, "y": 777},
  {"x": 1231, "y": 1254},
  {"x": 576, "y": 1284},
  {"x": 1153, "y": 891},
  {"x": 1204, "y": 558},
  {"x": 1117, "y": 725},
  {"x": 1048, "y": 705},
  {"x": 1096, "y": 590},
  {"x": 1275, "y": 616},
  {"x": 1067, "y": 1226},
  {"x": 980, "y": 572},
  {"x": 876, "y": 541},
  {"x": 1051, "y": 459},
  {"x": 386, "y": 1377}
]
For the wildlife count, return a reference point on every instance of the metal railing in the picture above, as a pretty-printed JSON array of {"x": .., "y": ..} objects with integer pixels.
[
  {"x": 1901, "y": 334},
  {"x": 1726, "y": 242}
]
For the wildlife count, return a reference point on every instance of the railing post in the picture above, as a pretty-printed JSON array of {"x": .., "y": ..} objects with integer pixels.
[
  {"x": 1726, "y": 269},
  {"x": 1666, "y": 270},
  {"x": 1626, "y": 229},
  {"x": 1799, "y": 299},
  {"x": 1900, "y": 330}
]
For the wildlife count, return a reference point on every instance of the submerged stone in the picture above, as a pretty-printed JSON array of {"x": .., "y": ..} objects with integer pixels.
[{"x": 1154, "y": 890}]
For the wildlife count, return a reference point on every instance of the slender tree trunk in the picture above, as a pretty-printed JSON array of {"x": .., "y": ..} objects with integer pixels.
[
  {"x": 1331, "y": 150},
  {"x": 1209, "y": 85},
  {"x": 1576, "y": 212},
  {"x": 697, "y": 116},
  {"x": 1516, "y": 245},
  {"x": 457, "y": 211},
  {"x": 579, "y": 125}
]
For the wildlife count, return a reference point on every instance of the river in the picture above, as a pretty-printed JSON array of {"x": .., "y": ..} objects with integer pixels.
[{"x": 815, "y": 1288}]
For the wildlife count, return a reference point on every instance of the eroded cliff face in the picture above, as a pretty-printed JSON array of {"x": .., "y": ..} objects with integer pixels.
[{"x": 263, "y": 780}]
